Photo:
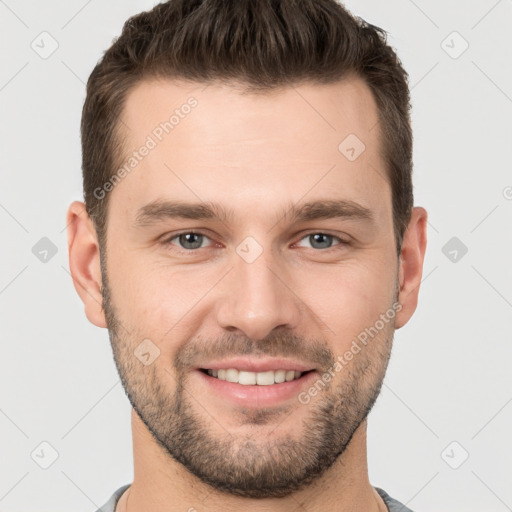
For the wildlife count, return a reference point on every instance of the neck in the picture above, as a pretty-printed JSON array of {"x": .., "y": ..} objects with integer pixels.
[{"x": 161, "y": 484}]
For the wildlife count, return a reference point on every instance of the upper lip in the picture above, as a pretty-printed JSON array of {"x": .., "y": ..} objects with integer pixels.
[{"x": 256, "y": 365}]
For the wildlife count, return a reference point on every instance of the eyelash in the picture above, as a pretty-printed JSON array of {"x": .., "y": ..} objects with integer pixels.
[{"x": 168, "y": 241}]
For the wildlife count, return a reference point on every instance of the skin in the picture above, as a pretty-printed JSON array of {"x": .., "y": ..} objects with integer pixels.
[{"x": 254, "y": 154}]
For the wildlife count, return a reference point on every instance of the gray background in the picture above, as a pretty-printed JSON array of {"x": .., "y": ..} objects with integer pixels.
[{"x": 448, "y": 391}]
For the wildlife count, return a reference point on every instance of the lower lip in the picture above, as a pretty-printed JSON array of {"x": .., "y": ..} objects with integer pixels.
[{"x": 258, "y": 396}]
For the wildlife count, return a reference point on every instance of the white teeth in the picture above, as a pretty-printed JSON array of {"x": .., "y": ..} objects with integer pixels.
[
  {"x": 246, "y": 378},
  {"x": 290, "y": 375},
  {"x": 279, "y": 376},
  {"x": 232, "y": 375},
  {"x": 265, "y": 378},
  {"x": 251, "y": 378}
]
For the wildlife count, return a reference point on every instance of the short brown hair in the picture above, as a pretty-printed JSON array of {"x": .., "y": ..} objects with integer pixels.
[{"x": 262, "y": 44}]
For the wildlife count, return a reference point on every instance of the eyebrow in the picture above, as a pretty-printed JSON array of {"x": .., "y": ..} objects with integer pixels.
[{"x": 161, "y": 210}]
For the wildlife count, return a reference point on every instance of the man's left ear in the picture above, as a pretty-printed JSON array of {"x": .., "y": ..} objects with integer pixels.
[{"x": 411, "y": 264}]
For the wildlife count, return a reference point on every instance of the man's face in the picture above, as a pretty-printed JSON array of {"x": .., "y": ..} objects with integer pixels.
[{"x": 258, "y": 290}]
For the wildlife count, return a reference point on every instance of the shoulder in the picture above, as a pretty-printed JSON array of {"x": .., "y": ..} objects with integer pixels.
[
  {"x": 110, "y": 506},
  {"x": 392, "y": 504}
]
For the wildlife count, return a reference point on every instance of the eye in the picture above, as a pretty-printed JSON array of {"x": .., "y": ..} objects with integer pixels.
[
  {"x": 188, "y": 241},
  {"x": 323, "y": 240}
]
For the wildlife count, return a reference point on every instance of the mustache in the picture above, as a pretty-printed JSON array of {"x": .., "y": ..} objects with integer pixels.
[{"x": 277, "y": 344}]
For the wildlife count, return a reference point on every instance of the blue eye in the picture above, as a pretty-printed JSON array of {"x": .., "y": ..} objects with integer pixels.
[
  {"x": 321, "y": 240},
  {"x": 189, "y": 240},
  {"x": 325, "y": 241}
]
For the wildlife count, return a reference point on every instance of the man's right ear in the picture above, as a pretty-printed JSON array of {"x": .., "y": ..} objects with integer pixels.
[{"x": 84, "y": 262}]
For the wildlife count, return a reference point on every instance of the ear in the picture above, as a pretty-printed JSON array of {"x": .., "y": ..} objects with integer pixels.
[
  {"x": 84, "y": 262},
  {"x": 411, "y": 264}
]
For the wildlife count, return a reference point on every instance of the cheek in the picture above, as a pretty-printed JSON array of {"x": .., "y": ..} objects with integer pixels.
[
  {"x": 351, "y": 299},
  {"x": 161, "y": 303}
]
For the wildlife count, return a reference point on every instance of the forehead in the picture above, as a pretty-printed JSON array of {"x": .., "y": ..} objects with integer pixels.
[
  {"x": 223, "y": 113},
  {"x": 214, "y": 143}
]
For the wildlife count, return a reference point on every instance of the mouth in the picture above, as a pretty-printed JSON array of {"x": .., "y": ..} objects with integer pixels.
[
  {"x": 256, "y": 382},
  {"x": 247, "y": 378}
]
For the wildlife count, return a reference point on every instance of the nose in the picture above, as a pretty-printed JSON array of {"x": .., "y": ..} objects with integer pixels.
[{"x": 256, "y": 298}]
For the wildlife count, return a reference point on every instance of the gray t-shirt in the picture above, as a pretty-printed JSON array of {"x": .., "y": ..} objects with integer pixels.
[{"x": 393, "y": 505}]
